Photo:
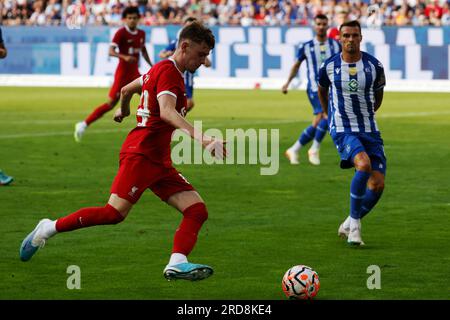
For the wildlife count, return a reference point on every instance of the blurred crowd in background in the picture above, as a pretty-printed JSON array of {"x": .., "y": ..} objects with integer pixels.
[{"x": 370, "y": 13}]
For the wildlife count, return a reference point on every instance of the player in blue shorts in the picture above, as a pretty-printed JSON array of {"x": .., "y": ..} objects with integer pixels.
[
  {"x": 351, "y": 88},
  {"x": 314, "y": 52},
  {"x": 188, "y": 76}
]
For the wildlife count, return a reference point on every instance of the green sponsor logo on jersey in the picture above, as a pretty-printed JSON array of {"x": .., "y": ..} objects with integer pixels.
[{"x": 353, "y": 85}]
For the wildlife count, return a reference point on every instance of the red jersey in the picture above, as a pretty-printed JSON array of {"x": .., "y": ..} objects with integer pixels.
[
  {"x": 129, "y": 43},
  {"x": 152, "y": 136}
]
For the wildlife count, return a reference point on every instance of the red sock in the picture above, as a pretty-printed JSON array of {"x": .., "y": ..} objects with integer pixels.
[
  {"x": 186, "y": 234},
  {"x": 98, "y": 113},
  {"x": 87, "y": 217}
]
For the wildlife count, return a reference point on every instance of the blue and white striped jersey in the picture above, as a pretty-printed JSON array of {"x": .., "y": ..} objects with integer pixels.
[
  {"x": 315, "y": 53},
  {"x": 352, "y": 92}
]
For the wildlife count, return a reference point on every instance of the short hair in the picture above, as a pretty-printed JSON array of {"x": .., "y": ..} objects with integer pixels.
[
  {"x": 130, "y": 10},
  {"x": 198, "y": 33},
  {"x": 353, "y": 23},
  {"x": 189, "y": 19},
  {"x": 321, "y": 17}
]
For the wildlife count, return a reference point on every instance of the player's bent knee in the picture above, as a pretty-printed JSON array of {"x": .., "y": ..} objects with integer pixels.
[
  {"x": 363, "y": 166},
  {"x": 113, "y": 215},
  {"x": 122, "y": 206},
  {"x": 376, "y": 186},
  {"x": 376, "y": 182},
  {"x": 362, "y": 162},
  {"x": 197, "y": 212}
]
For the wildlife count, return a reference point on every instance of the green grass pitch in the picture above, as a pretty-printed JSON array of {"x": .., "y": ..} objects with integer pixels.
[{"x": 259, "y": 226}]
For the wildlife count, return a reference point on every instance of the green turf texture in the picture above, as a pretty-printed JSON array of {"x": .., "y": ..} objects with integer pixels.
[{"x": 259, "y": 226}]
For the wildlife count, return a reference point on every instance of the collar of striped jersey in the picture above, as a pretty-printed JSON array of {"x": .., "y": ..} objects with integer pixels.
[
  {"x": 175, "y": 64},
  {"x": 129, "y": 30},
  {"x": 356, "y": 62},
  {"x": 316, "y": 41}
]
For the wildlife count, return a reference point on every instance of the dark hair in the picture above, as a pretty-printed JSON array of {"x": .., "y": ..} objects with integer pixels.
[
  {"x": 190, "y": 19},
  {"x": 353, "y": 23},
  {"x": 198, "y": 33},
  {"x": 321, "y": 17},
  {"x": 130, "y": 10}
]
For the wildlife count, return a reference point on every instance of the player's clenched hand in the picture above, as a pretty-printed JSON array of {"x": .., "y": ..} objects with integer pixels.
[
  {"x": 119, "y": 116},
  {"x": 284, "y": 88},
  {"x": 216, "y": 147}
]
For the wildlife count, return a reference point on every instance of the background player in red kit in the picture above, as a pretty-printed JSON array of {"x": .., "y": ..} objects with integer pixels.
[
  {"x": 145, "y": 158},
  {"x": 130, "y": 41}
]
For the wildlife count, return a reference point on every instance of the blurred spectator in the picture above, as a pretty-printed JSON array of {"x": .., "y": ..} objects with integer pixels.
[
  {"x": 370, "y": 13},
  {"x": 341, "y": 16},
  {"x": 375, "y": 17}
]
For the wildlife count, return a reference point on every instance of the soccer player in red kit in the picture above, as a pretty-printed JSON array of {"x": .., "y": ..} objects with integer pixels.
[
  {"x": 130, "y": 41},
  {"x": 145, "y": 158}
]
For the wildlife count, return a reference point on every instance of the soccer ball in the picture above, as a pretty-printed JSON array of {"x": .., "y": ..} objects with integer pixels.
[{"x": 300, "y": 283}]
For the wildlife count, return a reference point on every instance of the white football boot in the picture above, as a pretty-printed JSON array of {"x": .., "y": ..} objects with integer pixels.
[
  {"x": 292, "y": 156},
  {"x": 313, "y": 156},
  {"x": 35, "y": 240},
  {"x": 354, "y": 237},
  {"x": 80, "y": 127},
  {"x": 343, "y": 232}
]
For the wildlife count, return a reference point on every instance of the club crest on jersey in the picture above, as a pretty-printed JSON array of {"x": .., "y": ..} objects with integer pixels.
[
  {"x": 133, "y": 191},
  {"x": 337, "y": 70},
  {"x": 353, "y": 85},
  {"x": 352, "y": 71}
]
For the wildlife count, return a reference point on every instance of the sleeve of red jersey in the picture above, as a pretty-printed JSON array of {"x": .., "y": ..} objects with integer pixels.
[
  {"x": 169, "y": 83},
  {"x": 117, "y": 38}
]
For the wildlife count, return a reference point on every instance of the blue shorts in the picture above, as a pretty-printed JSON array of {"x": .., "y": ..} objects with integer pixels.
[
  {"x": 315, "y": 102},
  {"x": 350, "y": 144},
  {"x": 189, "y": 84}
]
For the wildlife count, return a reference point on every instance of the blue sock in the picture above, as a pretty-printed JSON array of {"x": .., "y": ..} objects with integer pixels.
[
  {"x": 307, "y": 135},
  {"x": 357, "y": 192},
  {"x": 321, "y": 130},
  {"x": 370, "y": 200}
]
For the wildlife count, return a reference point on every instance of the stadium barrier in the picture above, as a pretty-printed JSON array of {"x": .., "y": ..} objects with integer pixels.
[
  {"x": 415, "y": 59},
  {"x": 12, "y": 80}
]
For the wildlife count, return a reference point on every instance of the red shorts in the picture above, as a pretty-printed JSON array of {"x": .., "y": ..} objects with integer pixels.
[
  {"x": 137, "y": 173},
  {"x": 121, "y": 81}
]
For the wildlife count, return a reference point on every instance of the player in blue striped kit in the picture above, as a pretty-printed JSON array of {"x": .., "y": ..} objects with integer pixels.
[
  {"x": 351, "y": 88},
  {"x": 188, "y": 76},
  {"x": 314, "y": 52}
]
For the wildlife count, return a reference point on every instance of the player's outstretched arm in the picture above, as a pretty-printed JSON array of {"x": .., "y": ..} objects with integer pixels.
[
  {"x": 292, "y": 74},
  {"x": 323, "y": 97},
  {"x": 146, "y": 56},
  {"x": 168, "y": 113},
  {"x": 126, "y": 93}
]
